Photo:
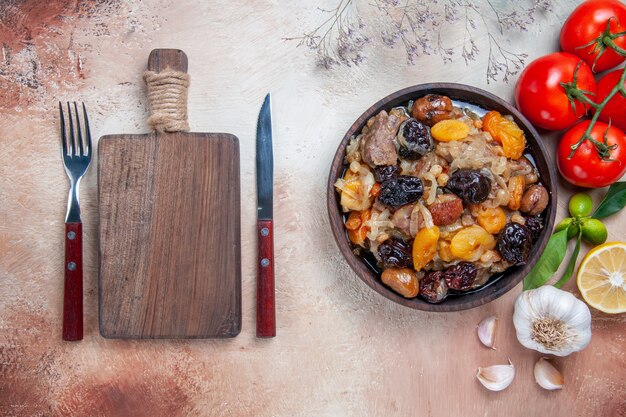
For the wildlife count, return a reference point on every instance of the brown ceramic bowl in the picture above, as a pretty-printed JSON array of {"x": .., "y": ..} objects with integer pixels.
[{"x": 499, "y": 283}]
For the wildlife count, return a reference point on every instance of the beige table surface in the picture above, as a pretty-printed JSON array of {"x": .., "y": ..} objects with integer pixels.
[{"x": 341, "y": 349}]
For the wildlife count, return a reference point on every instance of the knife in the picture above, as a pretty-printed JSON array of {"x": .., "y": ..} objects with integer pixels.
[{"x": 265, "y": 311}]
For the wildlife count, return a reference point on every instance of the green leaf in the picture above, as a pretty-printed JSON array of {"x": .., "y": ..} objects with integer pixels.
[
  {"x": 549, "y": 261},
  {"x": 571, "y": 265},
  {"x": 614, "y": 201}
]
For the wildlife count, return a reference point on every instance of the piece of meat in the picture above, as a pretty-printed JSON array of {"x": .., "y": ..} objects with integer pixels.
[
  {"x": 377, "y": 147},
  {"x": 446, "y": 209}
]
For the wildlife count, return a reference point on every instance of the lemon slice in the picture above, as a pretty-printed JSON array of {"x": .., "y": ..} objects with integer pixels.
[{"x": 602, "y": 278}]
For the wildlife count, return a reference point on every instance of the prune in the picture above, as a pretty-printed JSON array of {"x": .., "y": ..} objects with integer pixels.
[
  {"x": 471, "y": 185},
  {"x": 414, "y": 139},
  {"x": 399, "y": 191},
  {"x": 534, "y": 226},
  {"x": 433, "y": 287},
  {"x": 396, "y": 253},
  {"x": 461, "y": 276},
  {"x": 514, "y": 243},
  {"x": 385, "y": 172}
]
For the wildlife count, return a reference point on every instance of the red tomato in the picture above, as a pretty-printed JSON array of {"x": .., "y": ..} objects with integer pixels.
[
  {"x": 615, "y": 109},
  {"x": 541, "y": 98},
  {"x": 586, "y": 168},
  {"x": 586, "y": 23}
]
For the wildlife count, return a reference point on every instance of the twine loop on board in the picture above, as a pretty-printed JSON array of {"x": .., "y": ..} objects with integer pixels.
[{"x": 167, "y": 93}]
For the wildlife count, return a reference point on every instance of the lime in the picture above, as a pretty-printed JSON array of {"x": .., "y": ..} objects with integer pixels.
[
  {"x": 580, "y": 205},
  {"x": 594, "y": 231},
  {"x": 570, "y": 225}
]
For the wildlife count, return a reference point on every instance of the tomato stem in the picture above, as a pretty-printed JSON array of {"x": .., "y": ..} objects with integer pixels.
[{"x": 603, "y": 148}]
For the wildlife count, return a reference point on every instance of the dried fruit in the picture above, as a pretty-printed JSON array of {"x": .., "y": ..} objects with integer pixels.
[
  {"x": 491, "y": 219},
  {"x": 385, "y": 172},
  {"x": 461, "y": 276},
  {"x": 534, "y": 200},
  {"x": 472, "y": 186},
  {"x": 433, "y": 287},
  {"x": 395, "y": 253},
  {"x": 449, "y": 130},
  {"x": 401, "y": 280},
  {"x": 516, "y": 191},
  {"x": 514, "y": 243},
  {"x": 414, "y": 139},
  {"x": 471, "y": 242},
  {"x": 357, "y": 230},
  {"x": 399, "y": 191},
  {"x": 506, "y": 132},
  {"x": 446, "y": 209},
  {"x": 425, "y": 246},
  {"x": 534, "y": 226},
  {"x": 432, "y": 108}
]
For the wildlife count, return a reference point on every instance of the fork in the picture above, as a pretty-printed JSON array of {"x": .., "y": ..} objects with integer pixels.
[{"x": 76, "y": 159}]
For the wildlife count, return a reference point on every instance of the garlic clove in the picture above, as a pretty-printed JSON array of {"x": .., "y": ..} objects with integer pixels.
[
  {"x": 547, "y": 376},
  {"x": 487, "y": 331},
  {"x": 496, "y": 377}
]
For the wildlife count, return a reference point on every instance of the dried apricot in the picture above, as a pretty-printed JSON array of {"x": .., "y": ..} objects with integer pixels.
[
  {"x": 471, "y": 242},
  {"x": 401, "y": 280},
  {"x": 357, "y": 230},
  {"x": 354, "y": 220},
  {"x": 507, "y": 132},
  {"x": 516, "y": 191},
  {"x": 449, "y": 130},
  {"x": 425, "y": 246},
  {"x": 491, "y": 219}
]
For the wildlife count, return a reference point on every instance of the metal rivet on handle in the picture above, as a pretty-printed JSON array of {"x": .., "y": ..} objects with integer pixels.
[
  {"x": 71, "y": 235},
  {"x": 265, "y": 231},
  {"x": 71, "y": 266},
  {"x": 265, "y": 262}
]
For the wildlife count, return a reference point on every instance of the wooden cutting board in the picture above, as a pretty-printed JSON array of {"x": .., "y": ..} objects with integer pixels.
[{"x": 169, "y": 209}]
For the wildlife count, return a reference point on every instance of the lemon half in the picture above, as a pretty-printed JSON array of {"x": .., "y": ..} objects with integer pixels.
[{"x": 601, "y": 278}]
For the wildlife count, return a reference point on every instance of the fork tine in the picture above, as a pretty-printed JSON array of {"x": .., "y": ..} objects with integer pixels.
[
  {"x": 87, "y": 131},
  {"x": 72, "y": 141},
  {"x": 79, "y": 131},
  {"x": 63, "y": 137}
]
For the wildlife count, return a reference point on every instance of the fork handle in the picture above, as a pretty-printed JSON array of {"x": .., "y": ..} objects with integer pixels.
[{"x": 73, "y": 296}]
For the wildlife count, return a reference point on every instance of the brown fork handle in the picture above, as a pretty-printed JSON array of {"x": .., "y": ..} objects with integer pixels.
[
  {"x": 265, "y": 309},
  {"x": 73, "y": 297}
]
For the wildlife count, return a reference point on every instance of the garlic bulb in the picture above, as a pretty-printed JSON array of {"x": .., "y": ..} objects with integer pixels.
[
  {"x": 552, "y": 321},
  {"x": 487, "y": 331},
  {"x": 496, "y": 377},
  {"x": 547, "y": 376}
]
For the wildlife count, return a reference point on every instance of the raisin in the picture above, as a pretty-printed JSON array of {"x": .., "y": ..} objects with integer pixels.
[
  {"x": 461, "y": 276},
  {"x": 433, "y": 287},
  {"x": 396, "y": 253},
  {"x": 385, "y": 172},
  {"x": 514, "y": 243},
  {"x": 472, "y": 186},
  {"x": 397, "y": 192},
  {"x": 414, "y": 139},
  {"x": 534, "y": 226}
]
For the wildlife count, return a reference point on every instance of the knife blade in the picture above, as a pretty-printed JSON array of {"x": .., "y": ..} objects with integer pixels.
[{"x": 266, "y": 314}]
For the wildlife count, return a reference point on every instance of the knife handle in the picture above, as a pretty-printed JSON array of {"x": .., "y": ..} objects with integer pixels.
[
  {"x": 265, "y": 307},
  {"x": 73, "y": 296}
]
